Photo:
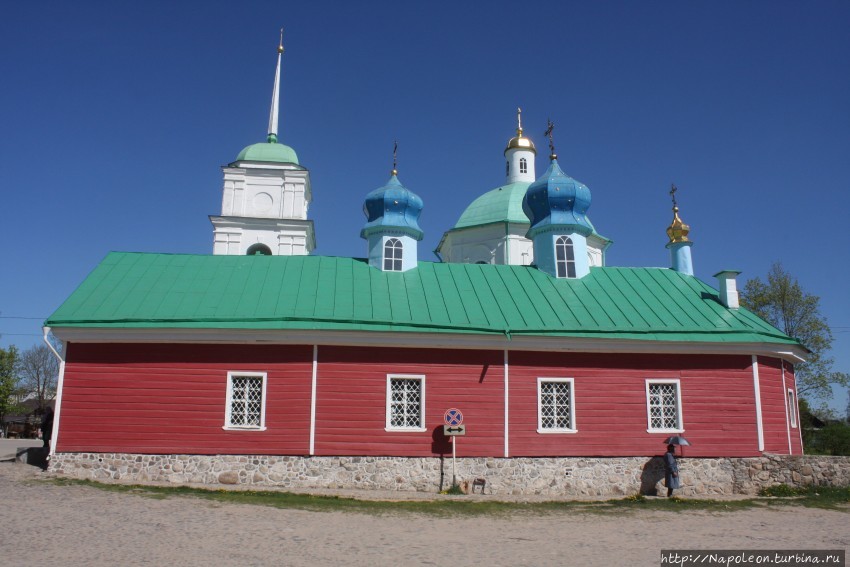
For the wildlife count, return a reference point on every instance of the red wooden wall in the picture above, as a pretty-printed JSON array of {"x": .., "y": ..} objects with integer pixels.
[
  {"x": 168, "y": 398},
  {"x": 778, "y": 432},
  {"x": 351, "y": 406},
  {"x": 163, "y": 398}
]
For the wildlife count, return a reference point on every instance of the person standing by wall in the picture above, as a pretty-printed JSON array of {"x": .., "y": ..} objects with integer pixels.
[
  {"x": 47, "y": 426},
  {"x": 671, "y": 470}
]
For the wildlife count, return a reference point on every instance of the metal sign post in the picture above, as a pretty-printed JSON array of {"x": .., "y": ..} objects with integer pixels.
[
  {"x": 454, "y": 454},
  {"x": 453, "y": 419}
]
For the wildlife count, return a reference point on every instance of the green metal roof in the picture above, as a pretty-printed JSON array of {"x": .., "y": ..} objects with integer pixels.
[
  {"x": 134, "y": 290},
  {"x": 502, "y": 204}
]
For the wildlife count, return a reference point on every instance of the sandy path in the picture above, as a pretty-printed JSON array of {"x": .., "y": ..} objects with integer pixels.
[{"x": 46, "y": 524}]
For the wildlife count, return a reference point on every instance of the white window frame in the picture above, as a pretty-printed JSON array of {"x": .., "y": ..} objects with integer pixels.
[
  {"x": 792, "y": 407},
  {"x": 523, "y": 165},
  {"x": 567, "y": 262},
  {"x": 228, "y": 426},
  {"x": 573, "y": 427},
  {"x": 396, "y": 247},
  {"x": 680, "y": 420},
  {"x": 421, "y": 379}
]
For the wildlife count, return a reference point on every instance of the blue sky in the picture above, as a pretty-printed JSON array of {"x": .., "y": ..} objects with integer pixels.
[{"x": 117, "y": 116}]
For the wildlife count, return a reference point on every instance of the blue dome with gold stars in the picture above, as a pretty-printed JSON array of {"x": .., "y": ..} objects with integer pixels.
[
  {"x": 393, "y": 206},
  {"x": 557, "y": 199}
]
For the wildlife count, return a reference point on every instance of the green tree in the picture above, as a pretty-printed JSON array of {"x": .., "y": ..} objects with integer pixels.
[
  {"x": 782, "y": 302},
  {"x": 9, "y": 361}
]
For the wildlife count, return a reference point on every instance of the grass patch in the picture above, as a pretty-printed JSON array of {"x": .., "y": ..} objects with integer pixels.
[
  {"x": 817, "y": 497},
  {"x": 831, "y": 497}
]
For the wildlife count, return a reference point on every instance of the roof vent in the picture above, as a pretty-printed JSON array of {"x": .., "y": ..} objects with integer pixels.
[{"x": 728, "y": 288}]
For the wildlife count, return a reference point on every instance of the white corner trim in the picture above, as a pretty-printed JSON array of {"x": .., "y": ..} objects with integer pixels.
[
  {"x": 796, "y": 399},
  {"x": 313, "y": 399},
  {"x": 60, "y": 382},
  {"x": 507, "y": 405},
  {"x": 787, "y": 416},
  {"x": 757, "y": 391}
]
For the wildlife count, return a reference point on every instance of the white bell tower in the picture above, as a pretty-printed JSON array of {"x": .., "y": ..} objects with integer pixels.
[{"x": 265, "y": 197}]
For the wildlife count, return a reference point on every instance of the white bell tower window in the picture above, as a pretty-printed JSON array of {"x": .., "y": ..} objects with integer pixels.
[
  {"x": 523, "y": 165},
  {"x": 392, "y": 255},
  {"x": 507, "y": 168},
  {"x": 565, "y": 257}
]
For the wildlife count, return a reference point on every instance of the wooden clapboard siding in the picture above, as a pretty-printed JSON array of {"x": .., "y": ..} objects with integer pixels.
[
  {"x": 351, "y": 401},
  {"x": 774, "y": 392},
  {"x": 610, "y": 404},
  {"x": 169, "y": 398},
  {"x": 162, "y": 398},
  {"x": 796, "y": 432}
]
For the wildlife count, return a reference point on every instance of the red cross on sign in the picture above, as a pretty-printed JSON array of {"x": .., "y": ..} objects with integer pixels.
[{"x": 453, "y": 417}]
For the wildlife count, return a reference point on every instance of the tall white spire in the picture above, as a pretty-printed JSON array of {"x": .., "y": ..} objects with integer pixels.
[{"x": 272, "y": 138}]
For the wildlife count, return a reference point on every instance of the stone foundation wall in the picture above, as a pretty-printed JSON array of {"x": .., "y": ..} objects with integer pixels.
[{"x": 562, "y": 476}]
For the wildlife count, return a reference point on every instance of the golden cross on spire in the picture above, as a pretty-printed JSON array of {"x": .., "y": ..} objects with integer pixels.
[
  {"x": 518, "y": 121},
  {"x": 673, "y": 190},
  {"x": 280, "y": 45},
  {"x": 548, "y": 133}
]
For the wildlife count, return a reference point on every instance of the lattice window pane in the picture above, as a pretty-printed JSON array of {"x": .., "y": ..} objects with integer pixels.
[
  {"x": 555, "y": 403},
  {"x": 405, "y": 402},
  {"x": 246, "y": 403},
  {"x": 663, "y": 406}
]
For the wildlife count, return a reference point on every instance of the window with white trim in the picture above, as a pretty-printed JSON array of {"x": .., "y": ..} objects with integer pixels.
[
  {"x": 792, "y": 408},
  {"x": 392, "y": 255},
  {"x": 246, "y": 401},
  {"x": 663, "y": 406},
  {"x": 565, "y": 258},
  {"x": 405, "y": 403},
  {"x": 523, "y": 165},
  {"x": 555, "y": 405}
]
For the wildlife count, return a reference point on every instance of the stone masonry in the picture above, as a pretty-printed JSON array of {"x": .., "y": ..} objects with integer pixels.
[{"x": 557, "y": 477}]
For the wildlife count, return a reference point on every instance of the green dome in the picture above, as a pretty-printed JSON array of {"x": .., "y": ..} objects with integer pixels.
[
  {"x": 503, "y": 204},
  {"x": 264, "y": 151}
]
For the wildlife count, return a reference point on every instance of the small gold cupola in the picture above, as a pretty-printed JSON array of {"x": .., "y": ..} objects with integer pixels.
[
  {"x": 678, "y": 230},
  {"x": 520, "y": 141},
  {"x": 679, "y": 245}
]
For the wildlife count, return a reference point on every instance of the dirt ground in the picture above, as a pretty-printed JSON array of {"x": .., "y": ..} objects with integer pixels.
[{"x": 48, "y": 524}]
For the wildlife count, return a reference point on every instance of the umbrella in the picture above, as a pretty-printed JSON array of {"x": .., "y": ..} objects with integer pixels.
[{"x": 677, "y": 440}]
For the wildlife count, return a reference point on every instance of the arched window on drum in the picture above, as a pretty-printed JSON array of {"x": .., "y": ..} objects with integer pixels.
[{"x": 565, "y": 259}]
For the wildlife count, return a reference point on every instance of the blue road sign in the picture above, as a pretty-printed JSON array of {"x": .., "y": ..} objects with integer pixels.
[{"x": 453, "y": 417}]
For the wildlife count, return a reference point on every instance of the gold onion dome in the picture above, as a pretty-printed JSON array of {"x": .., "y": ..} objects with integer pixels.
[
  {"x": 521, "y": 142},
  {"x": 678, "y": 230}
]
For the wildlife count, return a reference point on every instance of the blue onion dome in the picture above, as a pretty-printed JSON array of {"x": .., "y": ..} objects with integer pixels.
[
  {"x": 555, "y": 198},
  {"x": 392, "y": 206}
]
